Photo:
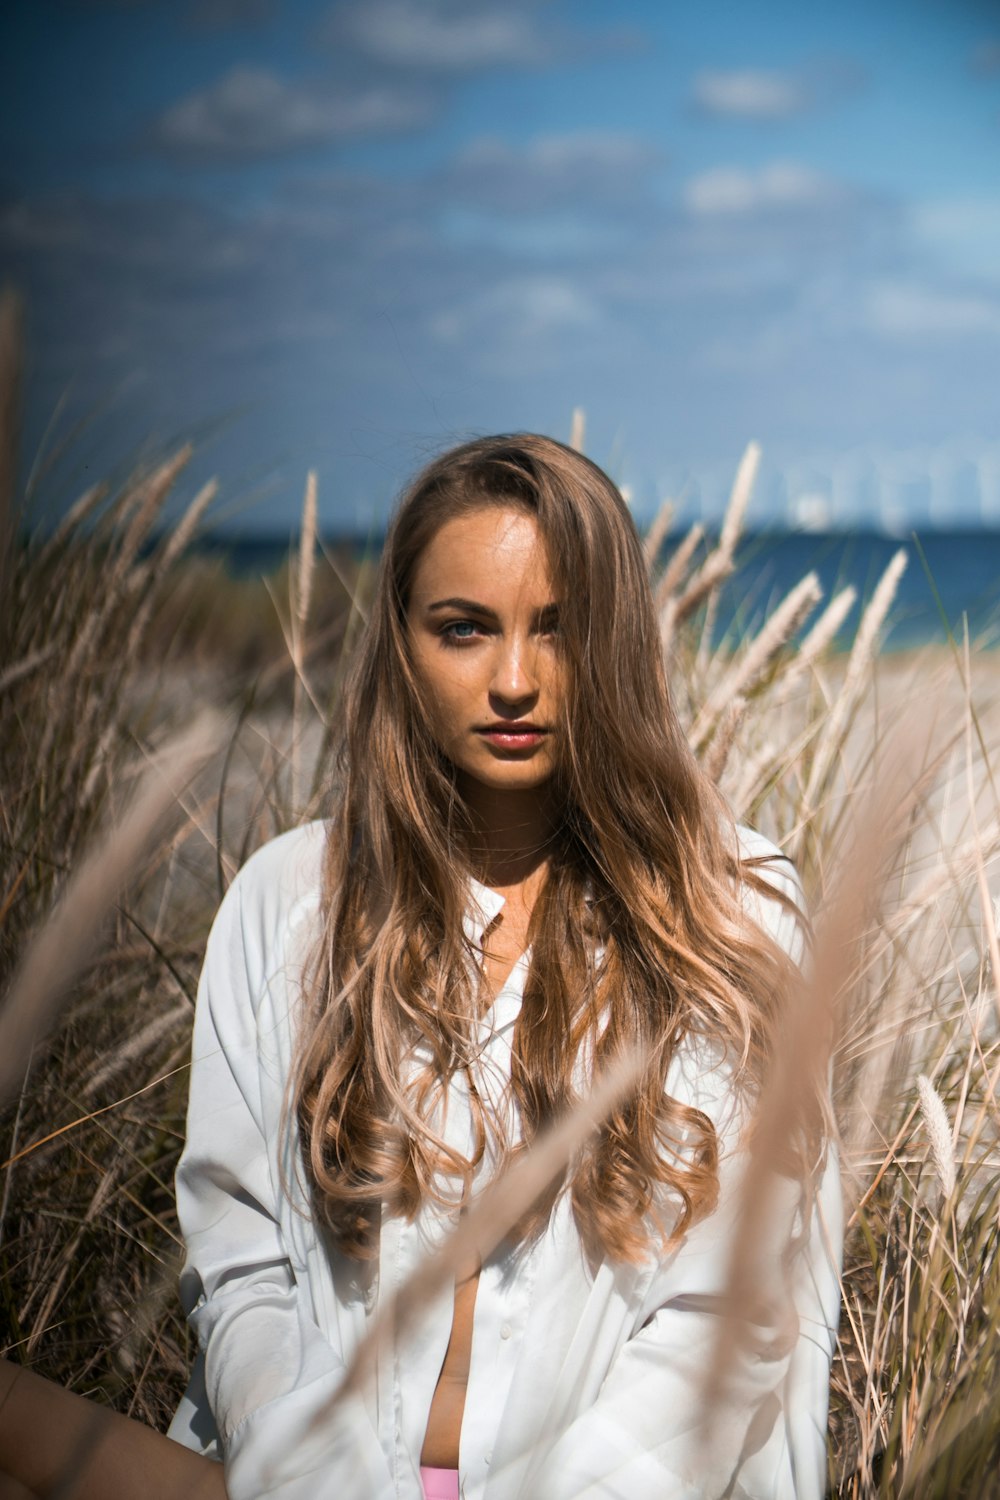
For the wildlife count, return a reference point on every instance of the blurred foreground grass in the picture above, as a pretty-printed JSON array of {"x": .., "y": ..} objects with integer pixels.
[{"x": 109, "y": 639}]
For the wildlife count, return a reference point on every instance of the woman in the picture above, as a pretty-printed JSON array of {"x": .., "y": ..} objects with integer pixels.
[{"x": 524, "y": 874}]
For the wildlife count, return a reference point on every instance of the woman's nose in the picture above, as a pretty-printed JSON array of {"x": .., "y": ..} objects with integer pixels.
[{"x": 514, "y": 679}]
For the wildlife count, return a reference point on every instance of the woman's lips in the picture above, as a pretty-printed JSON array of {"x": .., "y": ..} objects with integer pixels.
[{"x": 513, "y": 736}]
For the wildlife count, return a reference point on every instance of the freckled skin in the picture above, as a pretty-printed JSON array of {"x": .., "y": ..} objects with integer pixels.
[{"x": 497, "y": 663}]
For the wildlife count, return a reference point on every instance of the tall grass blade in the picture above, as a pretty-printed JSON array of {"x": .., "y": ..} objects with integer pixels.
[{"x": 71, "y": 935}]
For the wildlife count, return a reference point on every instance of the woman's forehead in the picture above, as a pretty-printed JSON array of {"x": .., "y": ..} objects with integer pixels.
[{"x": 484, "y": 552}]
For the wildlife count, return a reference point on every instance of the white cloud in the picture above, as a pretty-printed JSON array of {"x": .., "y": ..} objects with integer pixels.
[
  {"x": 750, "y": 94},
  {"x": 964, "y": 232},
  {"x": 606, "y": 149},
  {"x": 586, "y": 172},
  {"x": 252, "y": 112},
  {"x": 768, "y": 94},
  {"x": 518, "y": 311},
  {"x": 737, "y": 190},
  {"x": 767, "y": 348},
  {"x": 456, "y": 37},
  {"x": 909, "y": 309},
  {"x": 444, "y": 36}
]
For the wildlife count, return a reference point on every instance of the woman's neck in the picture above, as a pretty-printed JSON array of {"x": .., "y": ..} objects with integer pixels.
[{"x": 511, "y": 835}]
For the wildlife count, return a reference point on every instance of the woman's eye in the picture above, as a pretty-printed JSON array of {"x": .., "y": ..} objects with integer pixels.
[{"x": 460, "y": 630}]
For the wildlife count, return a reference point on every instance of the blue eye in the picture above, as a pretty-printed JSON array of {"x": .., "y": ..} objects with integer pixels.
[{"x": 460, "y": 630}]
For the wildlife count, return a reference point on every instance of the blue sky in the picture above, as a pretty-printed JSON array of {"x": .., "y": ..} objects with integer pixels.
[{"x": 343, "y": 235}]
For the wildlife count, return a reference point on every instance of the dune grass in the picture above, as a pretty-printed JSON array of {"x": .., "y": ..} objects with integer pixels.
[{"x": 805, "y": 745}]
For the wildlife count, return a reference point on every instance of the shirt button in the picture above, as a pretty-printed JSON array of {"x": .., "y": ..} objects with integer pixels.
[
  {"x": 505, "y": 1331},
  {"x": 489, "y": 1457}
]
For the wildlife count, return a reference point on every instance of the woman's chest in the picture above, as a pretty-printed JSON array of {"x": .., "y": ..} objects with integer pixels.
[{"x": 503, "y": 943}]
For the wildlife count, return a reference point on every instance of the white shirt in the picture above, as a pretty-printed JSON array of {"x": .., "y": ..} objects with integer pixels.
[{"x": 581, "y": 1383}]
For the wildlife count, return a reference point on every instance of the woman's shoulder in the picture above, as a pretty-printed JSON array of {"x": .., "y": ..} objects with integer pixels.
[
  {"x": 280, "y": 879},
  {"x": 286, "y": 859},
  {"x": 773, "y": 897},
  {"x": 264, "y": 924},
  {"x": 759, "y": 854}
]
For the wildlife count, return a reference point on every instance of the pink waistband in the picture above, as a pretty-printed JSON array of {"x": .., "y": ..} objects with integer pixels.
[{"x": 439, "y": 1484}]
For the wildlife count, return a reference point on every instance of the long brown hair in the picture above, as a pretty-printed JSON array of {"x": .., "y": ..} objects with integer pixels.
[{"x": 637, "y": 937}]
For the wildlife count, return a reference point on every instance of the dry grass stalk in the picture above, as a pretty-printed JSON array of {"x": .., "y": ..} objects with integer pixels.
[
  {"x": 302, "y": 595},
  {"x": 179, "y": 538},
  {"x": 732, "y": 530},
  {"x": 666, "y": 597},
  {"x": 819, "y": 638},
  {"x": 680, "y": 561},
  {"x": 837, "y": 721},
  {"x": 939, "y": 1134},
  {"x": 744, "y": 676},
  {"x": 714, "y": 762},
  {"x": 739, "y": 499},
  {"x": 18, "y": 670},
  {"x": 145, "y": 500},
  {"x": 54, "y": 1135},
  {"x": 677, "y": 600},
  {"x": 65, "y": 944},
  {"x": 79, "y": 512},
  {"x": 987, "y": 901},
  {"x": 307, "y": 553},
  {"x": 657, "y": 534},
  {"x": 578, "y": 429},
  {"x": 716, "y": 568},
  {"x": 803, "y": 1042},
  {"x": 757, "y": 772},
  {"x": 175, "y": 544},
  {"x": 941, "y": 1307},
  {"x": 166, "y": 1025},
  {"x": 83, "y": 703}
]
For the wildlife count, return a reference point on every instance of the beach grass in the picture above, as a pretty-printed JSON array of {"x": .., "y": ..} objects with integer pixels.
[{"x": 874, "y": 775}]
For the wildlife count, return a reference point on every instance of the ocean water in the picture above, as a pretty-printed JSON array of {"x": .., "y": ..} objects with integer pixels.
[{"x": 951, "y": 577}]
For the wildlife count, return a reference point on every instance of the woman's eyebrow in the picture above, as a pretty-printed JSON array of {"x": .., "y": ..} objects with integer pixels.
[
  {"x": 467, "y": 604},
  {"x": 547, "y": 612}
]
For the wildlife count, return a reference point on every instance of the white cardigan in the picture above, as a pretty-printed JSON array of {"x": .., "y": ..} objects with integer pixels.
[{"x": 581, "y": 1383}]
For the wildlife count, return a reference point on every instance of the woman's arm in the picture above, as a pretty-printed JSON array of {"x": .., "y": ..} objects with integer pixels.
[{"x": 268, "y": 1367}]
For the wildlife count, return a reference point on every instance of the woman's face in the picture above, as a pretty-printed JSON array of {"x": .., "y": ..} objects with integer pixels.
[{"x": 483, "y": 631}]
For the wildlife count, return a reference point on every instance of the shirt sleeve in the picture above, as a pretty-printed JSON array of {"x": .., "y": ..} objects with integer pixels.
[
  {"x": 646, "y": 1436},
  {"x": 269, "y": 1370}
]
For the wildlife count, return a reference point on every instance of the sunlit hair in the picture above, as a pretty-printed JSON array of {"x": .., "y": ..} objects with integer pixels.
[{"x": 637, "y": 937}]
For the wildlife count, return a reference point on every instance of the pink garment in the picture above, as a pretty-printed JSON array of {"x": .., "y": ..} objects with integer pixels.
[{"x": 439, "y": 1484}]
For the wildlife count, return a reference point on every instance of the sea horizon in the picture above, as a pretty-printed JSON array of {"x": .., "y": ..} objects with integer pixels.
[{"x": 951, "y": 572}]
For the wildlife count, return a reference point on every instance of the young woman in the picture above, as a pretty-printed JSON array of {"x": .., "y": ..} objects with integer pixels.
[{"x": 523, "y": 873}]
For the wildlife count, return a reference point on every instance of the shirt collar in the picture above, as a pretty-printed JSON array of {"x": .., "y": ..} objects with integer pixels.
[{"x": 484, "y": 905}]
